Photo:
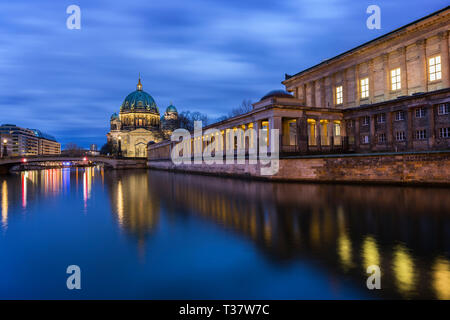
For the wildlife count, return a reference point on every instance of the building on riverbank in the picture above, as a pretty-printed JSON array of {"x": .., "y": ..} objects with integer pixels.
[
  {"x": 27, "y": 142},
  {"x": 138, "y": 123},
  {"x": 387, "y": 95}
]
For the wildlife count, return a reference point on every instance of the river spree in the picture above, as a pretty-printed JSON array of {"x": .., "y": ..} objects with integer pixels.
[{"x": 160, "y": 235}]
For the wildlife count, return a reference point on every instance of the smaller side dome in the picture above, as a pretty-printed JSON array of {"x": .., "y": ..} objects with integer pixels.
[
  {"x": 277, "y": 94},
  {"x": 114, "y": 116},
  {"x": 171, "y": 108}
]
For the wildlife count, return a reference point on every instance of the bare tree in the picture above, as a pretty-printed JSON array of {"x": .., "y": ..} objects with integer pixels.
[
  {"x": 187, "y": 119},
  {"x": 244, "y": 107},
  {"x": 73, "y": 149}
]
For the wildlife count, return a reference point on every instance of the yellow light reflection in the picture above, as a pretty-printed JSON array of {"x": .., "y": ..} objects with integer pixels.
[
  {"x": 370, "y": 253},
  {"x": 120, "y": 202},
  {"x": 345, "y": 251},
  {"x": 403, "y": 266},
  {"x": 344, "y": 248},
  {"x": 441, "y": 278},
  {"x": 4, "y": 205}
]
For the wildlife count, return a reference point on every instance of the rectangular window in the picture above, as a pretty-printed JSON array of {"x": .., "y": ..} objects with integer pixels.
[
  {"x": 339, "y": 95},
  {"x": 443, "y": 109},
  {"x": 364, "y": 88},
  {"x": 421, "y": 134},
  {"x": 382, "y": 138},
  {"x": 400, "y": 115},
  {"x": 444, "y": 132},
  {"x": 337, "y": 128},
  {"x": 381, "y": 118},
  {"x": 400, "y": 136},
  {"x": 420, "y": 112},
  {"x": 365, "y": 121},
  {"x": 365, "y": 139},
  {"x": 395, "y": 79},
  {"x": 434, "y": 68}
]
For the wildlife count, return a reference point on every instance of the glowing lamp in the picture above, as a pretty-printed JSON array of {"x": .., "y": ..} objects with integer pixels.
[
  {"x": 24, "y": 160},
  {"x": 84, "y": 159}
]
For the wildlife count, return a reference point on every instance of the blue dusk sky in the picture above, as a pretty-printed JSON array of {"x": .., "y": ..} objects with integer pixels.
[{"x": 202, "y": 55}]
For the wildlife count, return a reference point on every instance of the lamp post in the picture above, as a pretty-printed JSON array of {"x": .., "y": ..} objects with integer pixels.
[
  {"x": 119, "y": 153},
  {"x": 5, "y": 149}
]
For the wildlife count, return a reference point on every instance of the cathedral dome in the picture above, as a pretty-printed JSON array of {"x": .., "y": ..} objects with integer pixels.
[
  {"x": 139, "y": 100},
  {"x": 171, "y": 108}
]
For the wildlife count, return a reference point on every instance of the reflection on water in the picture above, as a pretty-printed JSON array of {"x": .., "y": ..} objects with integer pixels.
[
  {"x": 342, "y": 229},
  {"x": 346, "y": 228},
  {"x": 4, "y": 205},
  {"x": 403, "y": 267},
  {"x": 134, "y": 205},
  {"x": 441, "y": 278}
]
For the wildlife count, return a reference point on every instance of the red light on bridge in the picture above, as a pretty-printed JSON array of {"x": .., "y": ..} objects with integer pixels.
[
  {"x": 24, "y": 160},
  {"x": 85, "y": 159}
]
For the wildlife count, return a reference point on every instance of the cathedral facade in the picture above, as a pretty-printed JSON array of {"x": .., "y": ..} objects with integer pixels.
[{"x": 139, "y": 123}]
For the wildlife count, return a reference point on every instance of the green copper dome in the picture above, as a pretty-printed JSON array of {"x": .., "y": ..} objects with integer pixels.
[
  {"x": 139, "y": 100},
  {"x": 171, "y": 108}
]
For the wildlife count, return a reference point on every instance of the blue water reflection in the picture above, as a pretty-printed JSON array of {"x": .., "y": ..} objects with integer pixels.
[{"x": 160, "y": 235}]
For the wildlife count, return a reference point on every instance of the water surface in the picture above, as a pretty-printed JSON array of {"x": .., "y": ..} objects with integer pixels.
[{"x": 160, "y": 235}]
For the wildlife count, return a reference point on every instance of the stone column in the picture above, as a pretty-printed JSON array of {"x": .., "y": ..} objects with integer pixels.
[
  {"x": 322, "y": 93},
  {"x": 330, "y": 133},
  {"x": 303, "y": 88},
  {"x": 257, "y": 126},
  {"x": 313, "y": 93},
  {"x": 403, "y": 71},
  {"x": 225, "y": 142},
  {"x": 423, "y": 74},
  {"x": 358, "y": 87},
  {"x": 275, "y": 123},
  {"x": 344, "y": 88},
  {"x": 333, "y": 90},
  {"x": 318, "y": 134},
  {"x": 387, "y": 80},
  {"x": 371, "y": 82},
  {"x": 443, "y": 39},
  {"x": 302, "y": 133}
]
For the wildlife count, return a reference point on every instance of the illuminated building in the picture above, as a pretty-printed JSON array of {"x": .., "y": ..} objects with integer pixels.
[
  {"x": 138, "y": 123},
  {"x": 389, "y": 94},
  {"x": 47, "y": 144},
  {"x": 28, "y": 142}
]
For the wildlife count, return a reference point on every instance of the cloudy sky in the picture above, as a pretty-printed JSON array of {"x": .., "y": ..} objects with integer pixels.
[{"x": 202, "y": 55}]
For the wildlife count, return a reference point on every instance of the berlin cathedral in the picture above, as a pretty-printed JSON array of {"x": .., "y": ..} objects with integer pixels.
[{"x": 139, "y": 123}]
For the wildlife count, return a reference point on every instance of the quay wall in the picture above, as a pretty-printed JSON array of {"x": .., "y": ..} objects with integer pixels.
[{"x": 393, "y": 168}]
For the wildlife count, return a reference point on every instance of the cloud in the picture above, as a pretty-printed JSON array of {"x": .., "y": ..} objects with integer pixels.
[{"x": 202, "y": 55}]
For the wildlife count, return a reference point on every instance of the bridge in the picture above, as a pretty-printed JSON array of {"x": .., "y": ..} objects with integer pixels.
[{"x": 114, "y": 163}]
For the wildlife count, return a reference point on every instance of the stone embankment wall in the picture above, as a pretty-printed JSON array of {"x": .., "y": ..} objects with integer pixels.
[{"x": 399, "y": 168}]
